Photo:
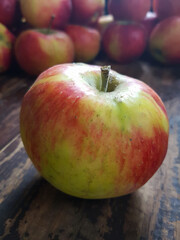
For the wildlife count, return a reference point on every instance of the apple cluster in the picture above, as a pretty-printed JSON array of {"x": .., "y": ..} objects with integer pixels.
[
  {"x": 40, "y": 34},
  {"x": 44, "y": 33},
  {"x": 138, "y": 26},
  {"x": 164, "y": 42}
]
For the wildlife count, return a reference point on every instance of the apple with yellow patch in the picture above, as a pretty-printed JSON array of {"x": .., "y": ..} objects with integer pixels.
[
  {"x": 90, "y": 137},
  {"x": 6, "y": 45},
  {"x": 39, "y": 13},
  {"x": 38, "y": 49},
  {"x": 124, "y": 41},
  {"x": 164, "y": 44}
]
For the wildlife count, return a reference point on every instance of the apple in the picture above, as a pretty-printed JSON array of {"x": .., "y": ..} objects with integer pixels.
[
  {"x": 166, "y": 8},
  {"x": 8, "y": 10},
  {"x": 149, "y": 22},
  {"x": 124, "y": 41},
  {"x": 103, "y": 22},
  {"x": 87, "y": 12},
  {"x": 164, "y": 44},
  {"x": 38, "y": 49},
  {"x": 90, "y": 137},
  {"x": 86, "y": 41},
  {"x": 6, "y": 45},
  {"x": 39, "y": 13},
  {"x": 134, "y": 10}
]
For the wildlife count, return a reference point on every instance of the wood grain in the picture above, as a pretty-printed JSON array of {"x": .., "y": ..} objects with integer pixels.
[
  {"x": 31, "y": 209},
  {"x": 12, "y": 89}
]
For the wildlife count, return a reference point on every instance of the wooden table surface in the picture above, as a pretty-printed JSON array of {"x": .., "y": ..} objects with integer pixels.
[{"x": 31, "y": 209}]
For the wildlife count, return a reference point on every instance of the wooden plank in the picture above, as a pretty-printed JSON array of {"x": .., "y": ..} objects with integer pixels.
[
  {"x": 12, "y": 89},
  {"x": 32, "y": 209},
  {"x": 28, "y": 202}
]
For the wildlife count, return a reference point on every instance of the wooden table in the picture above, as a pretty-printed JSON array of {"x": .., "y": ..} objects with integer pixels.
[{"x": 31, "y": 209}]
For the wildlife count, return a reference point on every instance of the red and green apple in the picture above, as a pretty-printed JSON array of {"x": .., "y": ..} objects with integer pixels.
[
  {"x": 164, "y": 42},
  {"x": 6, "y": 45},
  {"x": 38, "y": 49},
  {"x": 93, "y": 138},
  {"x": 124, "y": 41},
  {"x": 86, "y": 41},
  {"x": 39, "y": 13}
]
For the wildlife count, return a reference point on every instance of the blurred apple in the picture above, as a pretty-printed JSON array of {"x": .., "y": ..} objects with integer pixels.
[
  {"x": 165, "y": 41},
  {"x": 103, "y": 22},
  {"x": 39, "y": 13},
  {"x": 8, "y": 11},
  {"x": 87, "y": 11},
  {"x": 86, "y": 42},
  {"x": 149, "y": 22},
  {"x": 124, "y": 41},
  {"x": 129, "y": 9},
  {"x": 38, "y": 49},
  {"x": 6, "y": 44},
  {"x": 166, "y": 8}
]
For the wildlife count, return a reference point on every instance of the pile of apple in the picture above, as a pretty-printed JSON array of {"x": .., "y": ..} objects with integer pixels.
[
  {"x": 43, "y": 33},
  {"x": 48, "y": 32},
  {"x": 136, "y": 28}
]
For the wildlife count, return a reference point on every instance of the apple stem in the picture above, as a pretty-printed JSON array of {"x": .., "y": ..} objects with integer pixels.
[
  {"x": 105, "y": 77},
  {"x": 51, "y": 22}
]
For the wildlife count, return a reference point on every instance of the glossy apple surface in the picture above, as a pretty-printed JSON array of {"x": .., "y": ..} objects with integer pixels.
[
  {"x": 124, "y": 41},
  {"x": 86, "y": 42},
  {"x": 6, "y": 45},
  {"x": 87, "y": 12},
  {"x": 39, "y": 13},
  {"x": 134, "y": 10},
  {"x": 164, "y": 43},
  {"x": 89, "y": 143},
  {"x": 166, "y": 8},
  {"x": 38, "y": 49}
]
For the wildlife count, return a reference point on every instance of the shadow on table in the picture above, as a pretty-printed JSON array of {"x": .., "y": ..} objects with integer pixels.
[{"x": 42, "y": 210}]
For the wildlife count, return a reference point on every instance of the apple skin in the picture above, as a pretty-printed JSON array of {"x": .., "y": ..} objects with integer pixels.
[
  {"x": 38, "y": 49},
  {"x": 134, "y": 10},
  {"x": 149, "y": 22},
  {"x": 87, "y": 12},
  {"x": 164, "y": 44},
  {"x": 86, "y": 41},
  {"x": 6, "y": 45},
  {"x": 8, "y": 9},
  {"x": 124, "y": 42},
  {"x": 39, "y": 13},
  {"x": 166, "y": 8},
  {"x": 88, "y": 143}
]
